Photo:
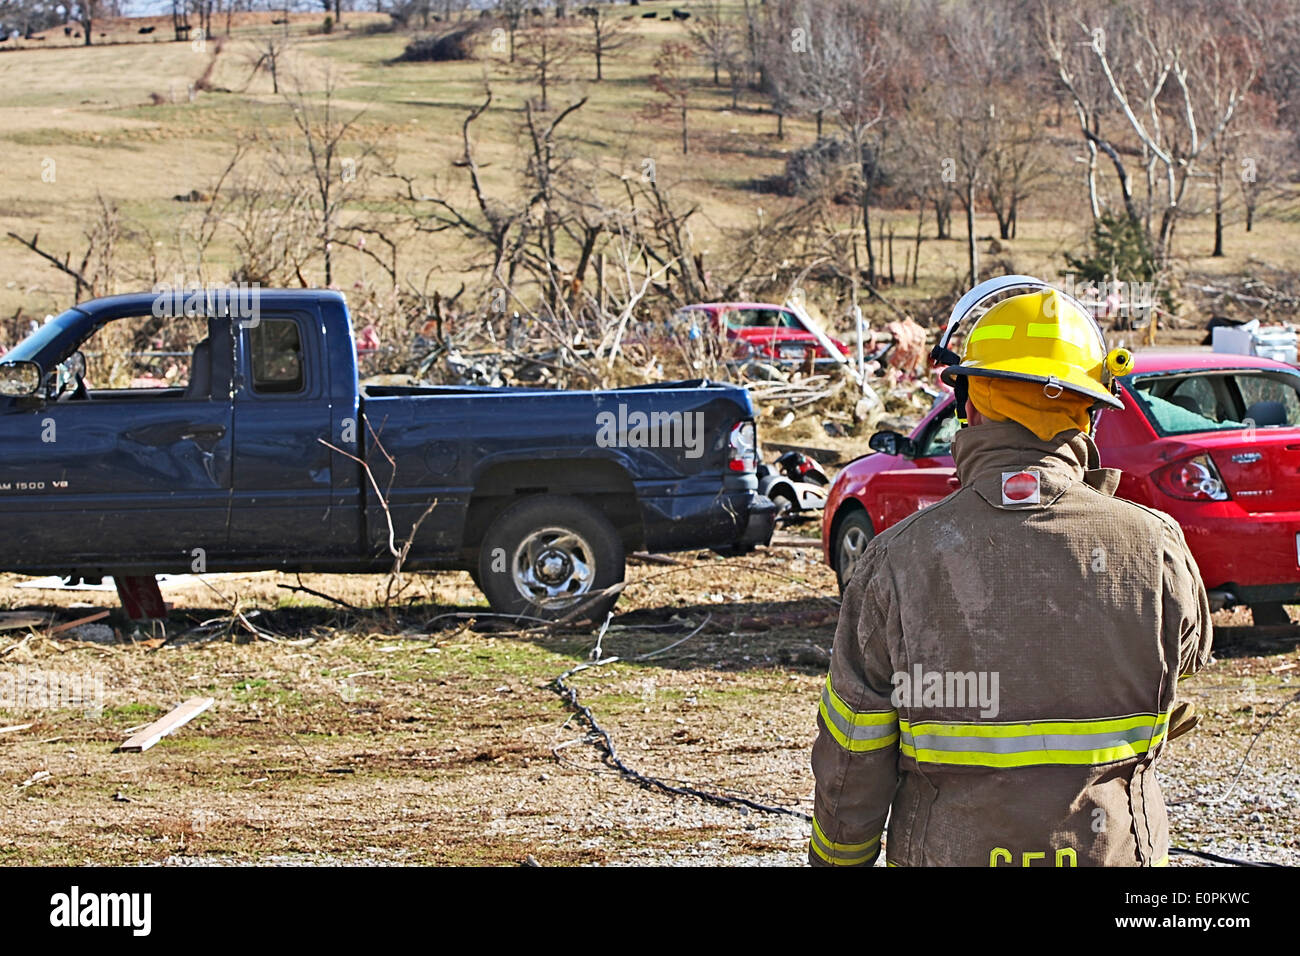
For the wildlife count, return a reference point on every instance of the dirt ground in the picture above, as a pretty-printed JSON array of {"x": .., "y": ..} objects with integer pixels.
[{"x": 420, "y": 734}]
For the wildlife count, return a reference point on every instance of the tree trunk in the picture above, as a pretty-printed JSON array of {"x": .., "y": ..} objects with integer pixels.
[
  {"x": 972, "y": 251},
  {"x": 1218, "y": 209},
  {"x": 1250, "y": 216},
  {"x": 685, "y": 142},
  {"x": 1004, "y": 222},
  {"x": 780, "y": 125},
  {"x": 599, "y": 74},
  {"x": 866, "y": 222},
  {"x": 916, "y": 259}
]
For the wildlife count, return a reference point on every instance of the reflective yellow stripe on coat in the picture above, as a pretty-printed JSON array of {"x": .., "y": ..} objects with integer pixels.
[
  {"x": 854, "y": 731},
  {"x": 1035, "y": 743},
  {"x": 842, "y": 854}
]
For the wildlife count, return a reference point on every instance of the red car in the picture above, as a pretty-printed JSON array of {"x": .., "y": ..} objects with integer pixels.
[
  {"x": 770, "y": 331},
  {"x": 1212, "y": 440}
]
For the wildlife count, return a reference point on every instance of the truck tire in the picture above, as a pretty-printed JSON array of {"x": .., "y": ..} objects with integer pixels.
[
  {"x": 851, "y": 538},
  {"x": 549, "y": 555}
]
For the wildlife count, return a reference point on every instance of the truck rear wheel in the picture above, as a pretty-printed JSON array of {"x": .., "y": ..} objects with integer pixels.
[{"x": 548, "y": 556}]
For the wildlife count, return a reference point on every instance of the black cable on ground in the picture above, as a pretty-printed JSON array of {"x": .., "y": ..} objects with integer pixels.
[
  {"x": 1215, "y": 858},
  {"x": 600, "y": 738}
]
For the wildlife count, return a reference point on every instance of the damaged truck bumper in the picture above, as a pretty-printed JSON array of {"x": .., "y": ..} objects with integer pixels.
[{"x": 731, "y": 522}]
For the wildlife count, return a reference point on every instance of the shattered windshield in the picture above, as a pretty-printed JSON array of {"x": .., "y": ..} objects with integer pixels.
[{"x": 1179, "y": 403}]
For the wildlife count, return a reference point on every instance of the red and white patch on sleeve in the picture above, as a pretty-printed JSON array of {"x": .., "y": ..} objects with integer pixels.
[{"x": 1020, "y": 488}]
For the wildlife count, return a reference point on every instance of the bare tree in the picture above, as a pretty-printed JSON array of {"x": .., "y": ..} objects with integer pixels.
[
  {"x": 1060, "y": 32},
  {"x": 1264, "y": 160},
  {"x": 670, "y": 81},
  {"x": 1178, "y": 75},
  {"x": 329, "y": 155},
  {"x": 269, "y": 53},
  {"x": 545, "y": 51},
  {"x": 848, "y": 64},
  {"x": 715, "y": 34},
  {"x": 94, "y": 275},
  {"x": 86, "y": 12},
  {"x": 512, "y": 14},
  {"x": 608, "y": 35}
]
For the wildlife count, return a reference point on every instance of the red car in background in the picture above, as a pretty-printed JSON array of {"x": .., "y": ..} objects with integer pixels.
[
  {"x": 1212, "y": 440},
  {"x": 770, "y": 331}
]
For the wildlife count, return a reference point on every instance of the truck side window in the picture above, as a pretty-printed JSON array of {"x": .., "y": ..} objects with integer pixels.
[{"x": 276, "y": 356}]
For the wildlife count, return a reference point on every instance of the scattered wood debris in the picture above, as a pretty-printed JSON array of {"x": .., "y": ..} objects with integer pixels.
[
  {"x": 160, "y": 728},
  {"x": 14, "y": 620},
  {"x": 69, "y": 625},
  {"x": 37, "y": 777}
]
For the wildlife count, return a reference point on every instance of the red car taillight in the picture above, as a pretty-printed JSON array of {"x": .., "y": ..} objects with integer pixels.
[
  {"x": 741, "y": 445},
  {"x": 1193, "y": 479}
]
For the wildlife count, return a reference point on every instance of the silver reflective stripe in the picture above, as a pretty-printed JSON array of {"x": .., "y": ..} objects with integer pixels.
[
  {"x": 842, "y": 854},
  {"x": 1029, "y": 742},
  {"x": 846, "y": 727}
]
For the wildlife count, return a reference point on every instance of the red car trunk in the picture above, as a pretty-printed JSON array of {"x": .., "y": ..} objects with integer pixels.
[{"x": 1261, "y": 470}]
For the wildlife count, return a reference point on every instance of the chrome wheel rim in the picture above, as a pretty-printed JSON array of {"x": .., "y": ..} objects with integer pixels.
[{"x": 553, "y": 567}]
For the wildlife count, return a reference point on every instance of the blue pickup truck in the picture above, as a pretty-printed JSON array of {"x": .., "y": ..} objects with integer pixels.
[{"x": 272, "y": 456}]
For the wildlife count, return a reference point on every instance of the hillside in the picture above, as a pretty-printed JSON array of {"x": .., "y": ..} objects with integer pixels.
[{"x": 141, "y": 125}]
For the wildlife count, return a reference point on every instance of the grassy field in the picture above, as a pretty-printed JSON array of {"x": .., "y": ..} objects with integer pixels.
[
  {"x": 417, "y": 734},
  {"x": 119, "y": 122}
]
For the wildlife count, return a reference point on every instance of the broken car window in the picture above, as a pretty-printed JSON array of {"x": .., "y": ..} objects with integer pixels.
[{"x": 1181, "y": 403}]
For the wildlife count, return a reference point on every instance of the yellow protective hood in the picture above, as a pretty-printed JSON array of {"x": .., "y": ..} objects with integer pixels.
[{"x": 1013, "y": 400}]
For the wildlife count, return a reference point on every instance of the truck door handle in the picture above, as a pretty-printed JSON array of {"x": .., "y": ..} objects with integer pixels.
[
  {"x": 954, "y": 482},
  {"x": 205, "y": 433}
]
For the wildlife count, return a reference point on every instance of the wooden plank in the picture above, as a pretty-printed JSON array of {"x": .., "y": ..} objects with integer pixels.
[
  {"x": 69, "y": 625},
  {"x": 13, "y": 620},
  {"x": 15, "y": 727},
  {"x": 160, "y": 728}
]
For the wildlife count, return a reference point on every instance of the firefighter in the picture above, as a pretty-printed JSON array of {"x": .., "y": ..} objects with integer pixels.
[{"x": 1004, "y": 672}]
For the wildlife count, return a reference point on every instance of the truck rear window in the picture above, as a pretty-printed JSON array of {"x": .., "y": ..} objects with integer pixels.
[
  {"x": 1180, "y": 403},
  {"x": 276, "y": 347}
]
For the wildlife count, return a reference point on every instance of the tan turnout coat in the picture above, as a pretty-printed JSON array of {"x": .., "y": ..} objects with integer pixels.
[{"x": 1004, "y": 670}]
